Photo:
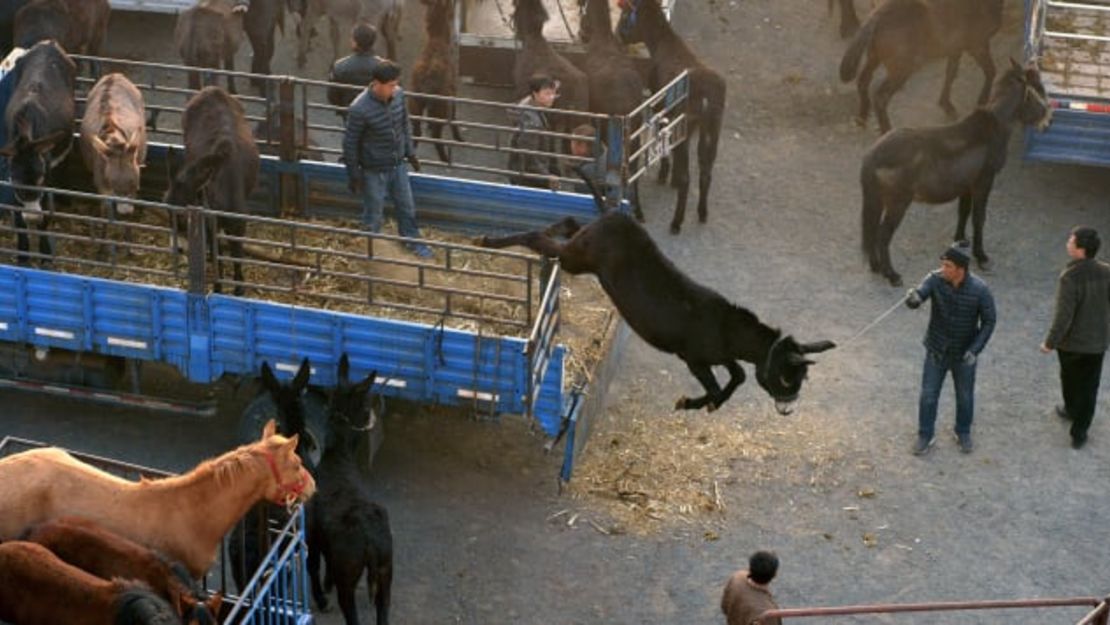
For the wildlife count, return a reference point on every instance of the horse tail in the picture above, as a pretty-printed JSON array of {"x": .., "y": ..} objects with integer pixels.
[
  {"x": 849, "y": 63},
  {"x": 872, "y": 212}
]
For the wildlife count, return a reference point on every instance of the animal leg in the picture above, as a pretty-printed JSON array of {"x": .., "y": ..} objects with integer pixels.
[
  {"x": 950, "y": 71},
  {"x": 863, "y": 88},
  {"x": 737, "y": 377},
  {"x": 334, "y": 38},
  {"x": 681, "y": 181},
  {"x": 664, "y": 170},
  {"x": 890, "y": 85},
  {"x": 345, "y": 596},
  {"x": 437, "y": 133},
  {"x": 318, "y": 594},
  {"x": 896, "y": 210},
  {"x": 707, "y": 155},
  {"x": 308, "y": 20},
  {"x": 983, "y": 58},
  {"x": 380, "y": 592},
  {"x": 704, "y": 374},
  {"x": 391, "y": 28},
  {"x": 637, "y": 209},
  {"x": 978, "y": 220},
  {"x": 964, "y": 213},
  {"x": 229, "y": 65},
  {"x": 23, "y": 240}
]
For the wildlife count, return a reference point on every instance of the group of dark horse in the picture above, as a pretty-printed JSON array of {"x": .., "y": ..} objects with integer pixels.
[{"x": 937, "y": 164}]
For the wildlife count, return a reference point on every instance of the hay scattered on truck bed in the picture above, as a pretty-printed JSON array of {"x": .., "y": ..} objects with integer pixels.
[
  {"x": 647, "y": 472},
  {"x": 401, "y": 279}
]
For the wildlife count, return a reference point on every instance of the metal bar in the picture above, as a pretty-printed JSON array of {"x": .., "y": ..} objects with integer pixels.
[
  {"x": 940, "y": 606},
  {"x": 1052, "y": 34},
  {"x": 1054, "y": 4},
  {"x": 1097, "y": 616}
]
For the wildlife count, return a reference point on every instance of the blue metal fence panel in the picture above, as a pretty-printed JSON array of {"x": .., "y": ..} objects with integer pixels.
[
  {"x": 1075, "y": 136},
  {"x": 49, "y": 309},
  {"x": 549, "y": 407},
  {"x": 415, "y": 361}
]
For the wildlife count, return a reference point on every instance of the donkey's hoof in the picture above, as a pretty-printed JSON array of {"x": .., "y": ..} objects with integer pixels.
[
  {"x": 676, "y": 228},
  {"x": 984, "y": 262},
  {"x": 860, "y": 122},
  {"x": 895, "y": 279},
  {"x": 711, "y": 406},
  {"x": 681, "y": 403}
]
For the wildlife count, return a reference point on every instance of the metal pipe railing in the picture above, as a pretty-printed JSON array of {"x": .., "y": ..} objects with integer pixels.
[{"x": 938, "y": 606}]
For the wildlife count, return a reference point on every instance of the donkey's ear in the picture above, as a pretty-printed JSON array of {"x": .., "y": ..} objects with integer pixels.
[
  {"x": 363, "y": 387},
  {"x": 269, "y": 429},
  {"x": 344, "y": 368},
  {"x": 269, "y": 382},
  {"x": 816, "y": 347},
  {"x": 301, "y": 379}
]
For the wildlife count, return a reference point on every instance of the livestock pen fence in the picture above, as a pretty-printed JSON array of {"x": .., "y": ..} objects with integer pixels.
[
  {"x": 295, "y": 123},
  {"x": 278, "y": 589},
  {"x": 472, "y": 325}
]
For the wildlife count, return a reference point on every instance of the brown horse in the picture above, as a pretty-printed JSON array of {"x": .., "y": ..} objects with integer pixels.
[
  {"x": 616, "y": 87},
  {"x": 901, "y": 35},
  {"x": 38, "y": 588},
  {"x": 435, "y": 73},
  {"x": 184, "y": 517},
  {"x": 79, "y": 26},
  {"x": 536, "y": 56},
  {"x": 108, "y": 555},
  {"x": 208, "y": 34},
  {"x": 644, "y": 21},
  {"x": 943, "y": 163}
]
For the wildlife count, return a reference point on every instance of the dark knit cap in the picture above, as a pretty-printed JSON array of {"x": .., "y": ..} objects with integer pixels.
[{"x": 959, "y": 253}]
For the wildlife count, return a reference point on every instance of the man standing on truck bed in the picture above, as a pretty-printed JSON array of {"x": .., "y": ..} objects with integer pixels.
[{"x": 376, "y": 145}]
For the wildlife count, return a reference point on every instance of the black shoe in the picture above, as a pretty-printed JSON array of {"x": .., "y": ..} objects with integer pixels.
[
  {"x": 1078, "y": 443},
  {"x": 923, "y": 445},
  {"x": 964, "y": 441},
  {"x": 1062, "y": 412}
]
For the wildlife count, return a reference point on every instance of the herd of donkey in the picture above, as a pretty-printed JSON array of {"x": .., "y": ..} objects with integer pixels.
[{"x": 82, "y": 546}]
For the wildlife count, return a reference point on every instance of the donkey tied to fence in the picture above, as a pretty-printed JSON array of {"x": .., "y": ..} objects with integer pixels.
[{"x": 673, "y": 313}]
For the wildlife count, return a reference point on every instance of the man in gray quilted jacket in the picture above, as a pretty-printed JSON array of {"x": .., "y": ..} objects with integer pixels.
[
  {"x": 1080, "y": 331},
  {"x": 377, "y": 150}
]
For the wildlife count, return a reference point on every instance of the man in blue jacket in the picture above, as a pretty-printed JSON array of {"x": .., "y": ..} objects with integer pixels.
[
  {"x": 960, "y": 324},
  {"x": 376, "y": 145}
]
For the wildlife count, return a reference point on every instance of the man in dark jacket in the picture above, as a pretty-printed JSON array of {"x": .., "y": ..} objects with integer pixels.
[
  {"x": 960, "y": 324},
  {"x": 376, "y": 144},
  {"x": 1079, "y": 331},
  {"x": 354, "y": 69}
]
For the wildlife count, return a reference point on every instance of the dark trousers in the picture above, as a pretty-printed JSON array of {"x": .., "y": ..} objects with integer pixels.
[{"x": 1079, "y": 378}]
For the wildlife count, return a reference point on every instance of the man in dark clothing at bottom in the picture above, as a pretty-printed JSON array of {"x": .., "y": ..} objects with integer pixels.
[
  {"x": 1080, "y": 331},
  {"x": 354, "y": 69},
  {"x": 376, "y": 145},
  {"x": 748, "y": 594},
  {"x": 960, "y": 324}
]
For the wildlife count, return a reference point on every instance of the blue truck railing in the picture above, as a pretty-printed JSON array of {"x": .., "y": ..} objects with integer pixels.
[
  {"x": 1067, "y": 42},
  {"x": 278, "y": 590}
]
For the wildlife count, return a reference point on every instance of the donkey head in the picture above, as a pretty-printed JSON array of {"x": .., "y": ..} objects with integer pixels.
[
  {"x": 191, "y": 179},
  {"x": 118, "y": 162},
  {"x": 31, "y": 162},
  {"x": 349, "y": 414},
  {"x": 1035, "y": 108},
  {"x": 784, "y": 369},
  {"x": 290, "y": 409},
  {"x": 529, "y": 16}
]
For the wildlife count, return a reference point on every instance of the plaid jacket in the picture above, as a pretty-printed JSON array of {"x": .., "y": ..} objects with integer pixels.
[{"x": 962, "y": 319}]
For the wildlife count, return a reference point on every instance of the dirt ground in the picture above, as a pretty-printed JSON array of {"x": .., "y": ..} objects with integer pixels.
[{"x": 483, "y": 537}]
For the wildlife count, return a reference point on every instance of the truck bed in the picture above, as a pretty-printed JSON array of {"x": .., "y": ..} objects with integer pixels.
[{"x": 1075, "y": 55}]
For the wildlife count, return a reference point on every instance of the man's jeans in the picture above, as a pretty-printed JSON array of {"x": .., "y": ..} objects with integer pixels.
[
  {"x": 932, "y": 379},
  {"x": 393, "y": 182}
]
